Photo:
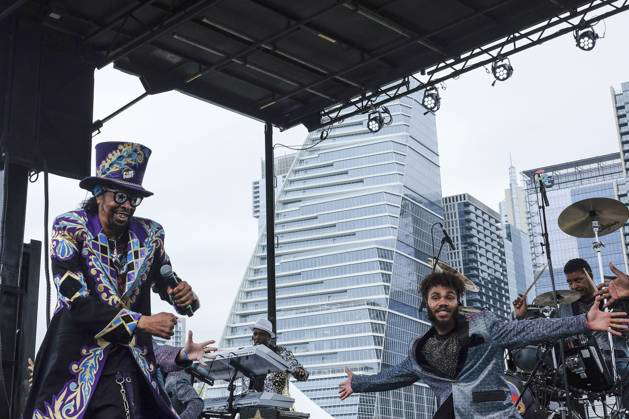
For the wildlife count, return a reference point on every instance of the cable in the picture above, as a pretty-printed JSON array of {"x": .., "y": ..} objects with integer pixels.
[
  {"x": 322, "y": 139},
  {"x": 46, "y": 244}
]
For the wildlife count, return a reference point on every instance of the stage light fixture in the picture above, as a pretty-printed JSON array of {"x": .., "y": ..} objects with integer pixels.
[
  {"x": 431, "y": 100},
  {"x": 586, "y": 38},
  {"x": 501, "y": 69},
  {"x": 375, "y": 121},
  {"x": 378, "y": 118}
]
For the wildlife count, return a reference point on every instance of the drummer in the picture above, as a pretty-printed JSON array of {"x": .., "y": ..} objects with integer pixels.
[{"x": 579, "y": 278}]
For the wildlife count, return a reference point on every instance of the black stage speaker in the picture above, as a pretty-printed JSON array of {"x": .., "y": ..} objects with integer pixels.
[
  {"x": 46, "y": 98},
  {"x": 18, "y": 311}
]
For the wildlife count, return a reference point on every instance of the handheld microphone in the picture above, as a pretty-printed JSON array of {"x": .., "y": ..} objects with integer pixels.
[
  {"x": 172, "y": 280},
  {"x": 447, "y": 237}
]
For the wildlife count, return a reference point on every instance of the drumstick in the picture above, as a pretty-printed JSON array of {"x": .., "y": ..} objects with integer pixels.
[
  {"x": 537, "y": 277},
  {"x": 589, "y": 278}
]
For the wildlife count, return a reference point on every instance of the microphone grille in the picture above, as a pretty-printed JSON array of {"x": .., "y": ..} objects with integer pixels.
[{"x": 166, "y": 270}]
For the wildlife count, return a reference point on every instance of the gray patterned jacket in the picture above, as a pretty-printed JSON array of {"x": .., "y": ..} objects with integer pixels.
[{"x": 480, "y": 389}]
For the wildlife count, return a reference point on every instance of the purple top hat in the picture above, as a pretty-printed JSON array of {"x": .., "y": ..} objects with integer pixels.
[{"x": 119, "y": 165}]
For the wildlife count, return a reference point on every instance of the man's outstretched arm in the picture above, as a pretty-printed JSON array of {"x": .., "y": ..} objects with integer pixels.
[
  {"x": 522, "y": 332},
  {"x": 402, "y": 375}
]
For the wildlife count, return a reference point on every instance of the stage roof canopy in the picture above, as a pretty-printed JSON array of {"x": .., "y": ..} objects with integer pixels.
[{"x": 283, "y": 61}]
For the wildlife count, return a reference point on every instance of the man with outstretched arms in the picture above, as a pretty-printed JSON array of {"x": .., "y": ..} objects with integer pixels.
[{"x": 461, "y": 357}]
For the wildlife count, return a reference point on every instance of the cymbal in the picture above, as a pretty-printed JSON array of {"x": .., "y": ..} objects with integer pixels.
[
  {"x": 563, "y": 297},
  {"x": 444, "y": 267},
  {"x": 576, "y": 220}
]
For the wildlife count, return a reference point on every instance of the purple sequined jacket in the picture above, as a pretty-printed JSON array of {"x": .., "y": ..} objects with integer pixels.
[{"x": 92, "y": 316}]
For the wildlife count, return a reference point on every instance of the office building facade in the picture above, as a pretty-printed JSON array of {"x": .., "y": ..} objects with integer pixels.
[
  {"x": 479, "y": 251},
  {"x": 353, "y": 236}
]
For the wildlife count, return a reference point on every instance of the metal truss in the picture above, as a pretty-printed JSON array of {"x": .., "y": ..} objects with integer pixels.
[{"x": 554, "y": 27}]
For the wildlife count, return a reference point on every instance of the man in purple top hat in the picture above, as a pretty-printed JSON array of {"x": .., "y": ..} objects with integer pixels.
[{"x": 97, "y": 358}]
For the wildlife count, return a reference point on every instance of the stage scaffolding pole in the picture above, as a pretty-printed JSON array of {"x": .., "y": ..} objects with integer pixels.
[{"x": 269, "y": 181}]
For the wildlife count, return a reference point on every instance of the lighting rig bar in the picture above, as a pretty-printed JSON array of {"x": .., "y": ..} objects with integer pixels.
[{"x": 558, "y": 25}]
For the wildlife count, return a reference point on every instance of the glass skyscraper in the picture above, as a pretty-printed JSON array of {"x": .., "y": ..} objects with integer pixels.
[
  {"x": 353, "y": 236},
  {"x": 573, "y": 181},
  {"x": 479, "y": 251},
  {"x": 516, "y": 236}
]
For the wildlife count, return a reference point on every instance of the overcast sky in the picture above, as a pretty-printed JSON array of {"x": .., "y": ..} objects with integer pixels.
[{"x": 556, "y": 107}]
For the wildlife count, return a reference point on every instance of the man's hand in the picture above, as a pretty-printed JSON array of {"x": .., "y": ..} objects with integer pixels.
[
  {"x": 614, "y": 322},
  {"x": 160, "y": 324},
  {"x": 519, "y": 304},
  {"x": 182, "y": 294},
  {"x": 616, "y": 289},
  {"x": 195, "y": 351},
  {"x": 345, "y": 388}
]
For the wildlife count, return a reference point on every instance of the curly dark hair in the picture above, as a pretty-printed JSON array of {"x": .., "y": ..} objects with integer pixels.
[
  {"x": 577, "y": 265},
  {"x": 90, "y": 205},
  {"x": 444, "y": 279}
]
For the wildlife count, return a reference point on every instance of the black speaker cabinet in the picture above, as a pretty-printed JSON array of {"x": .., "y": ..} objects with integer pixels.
[
  {"x": 46, "y": 98},
  {"x": 18, "y": 314}
]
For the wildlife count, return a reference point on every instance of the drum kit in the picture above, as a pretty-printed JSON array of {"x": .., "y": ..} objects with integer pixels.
[{"x": 534, "y": 371}]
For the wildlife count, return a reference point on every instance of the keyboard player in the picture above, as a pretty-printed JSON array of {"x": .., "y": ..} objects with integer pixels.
[{"x": 276, "y": 382}]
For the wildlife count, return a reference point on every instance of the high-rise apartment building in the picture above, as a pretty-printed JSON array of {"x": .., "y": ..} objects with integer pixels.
[
  {"x": 179, "y": 334},
  {"x": 479, "y": 251},
  {"x": 573, "y": 181},
  {"x": 281, "y": 166},
  {"x": 353, "y": 236},
  {"x": 620, "y": 102}
]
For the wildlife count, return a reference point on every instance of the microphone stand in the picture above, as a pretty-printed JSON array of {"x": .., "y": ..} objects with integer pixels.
[{"x": 546, "y": 244}]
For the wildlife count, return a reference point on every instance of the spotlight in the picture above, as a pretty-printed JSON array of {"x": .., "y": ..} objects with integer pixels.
[
  {"x": 431, "y": 100},
  {"x": 586, "y": 38},
  {"x": 375, "y": 121},
  {"x": 501, "y": 69},
  {"x": 379, "y": 118}
]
